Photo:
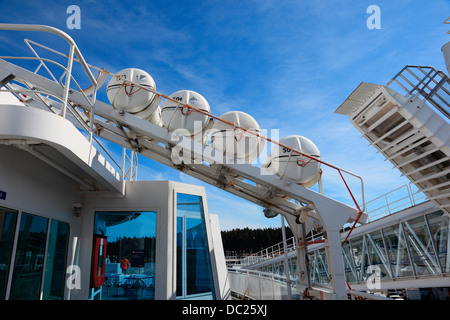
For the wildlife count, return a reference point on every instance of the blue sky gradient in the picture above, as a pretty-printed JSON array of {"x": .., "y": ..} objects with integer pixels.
[{"x": 289, "y": 64}]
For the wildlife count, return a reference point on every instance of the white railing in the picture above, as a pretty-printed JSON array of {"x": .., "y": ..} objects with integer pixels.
[
  {"x": 74, "y": 52},
  {"x": 382, "y": 206},
  {"x": 65, "y": 80},
  {"x": 257, "y": 285},
  {"x": 394, "y": 201},
  {"x": 431, "y": 84}
]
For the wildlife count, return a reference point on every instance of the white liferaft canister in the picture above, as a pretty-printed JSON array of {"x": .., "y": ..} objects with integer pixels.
[
  {"x": 133, "y": 92},
  {"x": 235, "y": 142},
  {"x": 293, "y": 166},
  {"x": 176, "y": 116}
]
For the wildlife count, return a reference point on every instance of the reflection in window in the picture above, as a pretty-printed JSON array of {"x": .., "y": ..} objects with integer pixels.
[
  {"x": 377, "y": 254},
  {"x": 194, "y": 274},
  {"x": 29, "y": 260},
  {"x": 398, "y": 252},
  {"x": 348, "y": 263},
  {"x": 421, "y": 247},
  {"x": 55, "y": 266},
  {"x": 439, "y": 228},
  {"x": 8, "y": 219},
  {"x": 130, "y": 254}
]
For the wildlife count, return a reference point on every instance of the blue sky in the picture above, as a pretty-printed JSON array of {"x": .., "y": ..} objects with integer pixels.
[{"x": 289, "y": 64}]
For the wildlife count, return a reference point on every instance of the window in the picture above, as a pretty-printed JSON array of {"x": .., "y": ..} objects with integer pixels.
[
  {"x": 421, "y": 247},
  {"x": 440, "y": 227},
  {"x": 397, "y": 251},
  {"x": 37, "y": 247},
  {"x": 8, "y": 220},
  {"x": 194, "y": 275},
  {"x": 318, "y": 266},
  {"x": 350, "y": 272},
  {"x": 28, "y": 265},
  {"x": 130, "y": 254},
  {"x": 358, "y": 249},
  {"x": 377, "y": 254},
  {"x": 55, "y": 266}
]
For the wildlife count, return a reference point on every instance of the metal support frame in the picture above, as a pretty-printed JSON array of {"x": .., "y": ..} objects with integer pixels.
[
  {"x": 412, "y": 135},
  {"x": 335, "y": 264},
  {"x": 427, "y": 82},
  {"x": 389, "y": 254},
  {"x": 286, "y": 260},
  {"x": 407, "y": 241},
  {"x": 157, "y": 143}
]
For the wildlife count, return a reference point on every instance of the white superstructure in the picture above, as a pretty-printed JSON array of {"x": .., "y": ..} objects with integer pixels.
[{"x": 52, "y": 174}]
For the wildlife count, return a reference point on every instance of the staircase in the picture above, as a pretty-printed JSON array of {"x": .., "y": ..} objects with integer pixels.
[{"x": 412, "y": 130}]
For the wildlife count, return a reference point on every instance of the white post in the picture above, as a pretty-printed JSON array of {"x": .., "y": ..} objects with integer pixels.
[
  {"x": 286, "y": 261},
  {"x": 446, "y": 52},
  {"x": 303, "y": 271},
  {"x": 67, "y": 85},
  {"x": 336, "y": 264}
]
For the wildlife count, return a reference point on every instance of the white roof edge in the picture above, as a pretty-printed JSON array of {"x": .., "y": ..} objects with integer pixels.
[
  {"x": 357, "y": 98},
  {"x": 59, "y": 133}
]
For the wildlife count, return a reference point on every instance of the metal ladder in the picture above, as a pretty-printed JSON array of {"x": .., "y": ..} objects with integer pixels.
[{"x": 412, "y": 130}]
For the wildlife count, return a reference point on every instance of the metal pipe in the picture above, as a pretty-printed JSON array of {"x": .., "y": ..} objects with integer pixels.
[
  {"x": 67, "y": 85},
  {"x": 59, "y": 33},
  {"x": 286, "y": 261}
]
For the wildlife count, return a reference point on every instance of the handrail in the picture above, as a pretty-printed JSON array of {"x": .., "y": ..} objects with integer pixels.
[
  {"x": 284, "y": 281},
  {"x": 57, "y": 64},
  {"x": 73, "y": 51},
  {"x": 61, "y": 34},
  {"x": 427, "y": 84}
]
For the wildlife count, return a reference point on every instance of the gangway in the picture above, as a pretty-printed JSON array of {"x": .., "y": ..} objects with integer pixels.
[
  {"x": 412, "y": 129},
  {"x": 303, "y": 208}
]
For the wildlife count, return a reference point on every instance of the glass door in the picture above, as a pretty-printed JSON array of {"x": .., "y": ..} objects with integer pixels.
[
  {"x": 194, "y": 275},
  {"x": 130, "y": 255}
]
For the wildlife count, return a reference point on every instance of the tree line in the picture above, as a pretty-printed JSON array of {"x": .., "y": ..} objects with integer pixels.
[{"x": 246, "y": 240}]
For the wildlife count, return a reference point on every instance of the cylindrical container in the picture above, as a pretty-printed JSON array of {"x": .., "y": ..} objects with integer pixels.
[
  {"x": 235, "y": 142},
  {"x": 289, "y": 164},
  {"x": 176, "y": 116},
  {"x": 133, "y": 91}
]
